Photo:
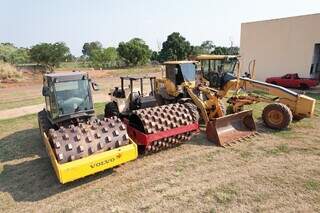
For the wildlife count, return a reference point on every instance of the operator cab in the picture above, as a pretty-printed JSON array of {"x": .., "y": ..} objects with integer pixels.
[
  {"x": 67, "y": 95},
  {"x": 181, "y": 71},
  {"x": 218, "y": 69},
  {"x": 128, "y": 98}
]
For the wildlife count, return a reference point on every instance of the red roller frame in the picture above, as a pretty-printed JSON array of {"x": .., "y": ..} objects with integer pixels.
[{"x": 141, "y": 138}]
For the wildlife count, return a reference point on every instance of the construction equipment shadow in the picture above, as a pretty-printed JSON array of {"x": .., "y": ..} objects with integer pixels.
[
  {"x": 21, "y": 144},
  {"x": 31, "y": 180}
]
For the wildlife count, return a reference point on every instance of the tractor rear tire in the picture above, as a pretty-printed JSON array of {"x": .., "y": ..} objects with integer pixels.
[
  {"x": 111, "y": 109},
  {"x": 277, "y": 116}
]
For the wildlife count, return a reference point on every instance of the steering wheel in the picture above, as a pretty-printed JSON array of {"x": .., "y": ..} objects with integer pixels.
[{"x": 72, "y": 104}]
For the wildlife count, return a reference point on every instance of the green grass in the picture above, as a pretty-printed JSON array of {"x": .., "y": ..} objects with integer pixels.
[
  {"x": 280, "y": 149},
  {"x": 136, "y": 70},
  {"x": 225, "y": 195},
  {"x": 114, "y": 71},
  {"x": 20, "y": 103},
  {"x": 30, "y": 121},
  {"x": 312, "y": 185},
  {"x": 317, "y": 97},
  {"x": 245, "y": 154},
  {"x": 287, "y": 134},
  {"x": 73, "y": 65}
]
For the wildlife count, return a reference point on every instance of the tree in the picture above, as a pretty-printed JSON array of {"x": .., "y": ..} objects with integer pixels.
[
  {"x": 104, "y": 58},
  {"x": 20, "y": 56},
  {"x": 49, "y": 55},
  {"x": 220, "y": 51},
  {"x": 134, "y": 52},
  {"x": 207, "y": 47},
  {"x": 226, "y": 51},
  {"x": 11, "y": 54},
  {"x": 234, "y": 51},
  {"x": 70, "y": 58},
  {"x": 196, "y": 50},
  {"x": 154, "y": 56},
  {"x": 88, "y": 48},
  {"x": 176, "y": 47},
  {"x": 6, "y": 50}
]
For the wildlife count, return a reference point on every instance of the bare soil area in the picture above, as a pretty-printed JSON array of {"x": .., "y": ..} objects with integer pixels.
[{"x": 27, "y": 92}]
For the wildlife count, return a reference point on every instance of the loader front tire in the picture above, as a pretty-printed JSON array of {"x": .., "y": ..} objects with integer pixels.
[{"x": 277, "y": 116}]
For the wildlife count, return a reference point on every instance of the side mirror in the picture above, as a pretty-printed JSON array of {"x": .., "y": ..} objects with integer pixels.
[
  {"x": 176, "y": 71},
  {"x": 95, "y": 86},
  {"x": 45, "y": 91}
]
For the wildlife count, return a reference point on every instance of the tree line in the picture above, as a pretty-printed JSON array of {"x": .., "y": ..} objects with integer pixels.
[{"x": 131, "y": 53}]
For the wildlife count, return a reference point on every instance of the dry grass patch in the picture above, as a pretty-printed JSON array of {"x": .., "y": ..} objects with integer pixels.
[{"x": 8, "y": 72}]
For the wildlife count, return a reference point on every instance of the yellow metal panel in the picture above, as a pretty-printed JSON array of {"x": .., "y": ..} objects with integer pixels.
[
  {"x": 92, "y": 164},
  {"x": 214, "y": 57},
  {"x": 179, "y": 62},
  {"x": 305, "y": 106}
]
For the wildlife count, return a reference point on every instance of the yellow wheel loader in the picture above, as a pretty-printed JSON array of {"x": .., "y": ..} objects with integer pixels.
[
  {"x": 78, "y": 143},
  {"x": 222, "y": 73},
  {"x": 206, "y": 88},
  {"x": 183, "y": 84}
]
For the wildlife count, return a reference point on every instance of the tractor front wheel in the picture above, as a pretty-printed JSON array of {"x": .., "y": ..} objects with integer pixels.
[{"x": 277, "y": 116}]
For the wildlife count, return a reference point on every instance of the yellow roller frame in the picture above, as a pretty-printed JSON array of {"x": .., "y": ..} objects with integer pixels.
[{"x": 92, "y": 164}]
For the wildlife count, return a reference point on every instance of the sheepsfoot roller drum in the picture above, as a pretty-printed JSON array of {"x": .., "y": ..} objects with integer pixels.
[
  {"x": 162, "y": 127},
  {"x": 231, "y": 128},
  {"x": 76, "y": 142}
]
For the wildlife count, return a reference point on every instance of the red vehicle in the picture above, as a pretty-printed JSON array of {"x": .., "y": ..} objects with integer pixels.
[{"x": 293, "y": 81}]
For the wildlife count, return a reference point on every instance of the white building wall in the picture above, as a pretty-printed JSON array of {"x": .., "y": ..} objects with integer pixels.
[{"x": 280, "y": 46}]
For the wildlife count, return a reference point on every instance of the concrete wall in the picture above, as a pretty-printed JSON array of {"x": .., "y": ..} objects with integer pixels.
[{"x": 280, "y": 46}]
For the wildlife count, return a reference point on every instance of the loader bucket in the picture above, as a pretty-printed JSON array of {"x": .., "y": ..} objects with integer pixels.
[{"x": 228, "y": 129}]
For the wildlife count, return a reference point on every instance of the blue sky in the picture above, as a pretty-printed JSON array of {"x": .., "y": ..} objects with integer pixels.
[{"x": 27, "y": 22}]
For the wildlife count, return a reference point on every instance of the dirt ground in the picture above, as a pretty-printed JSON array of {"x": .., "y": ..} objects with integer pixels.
[
  {"x": 273, "y": 171},
  {"x": 27, "y": 92}
]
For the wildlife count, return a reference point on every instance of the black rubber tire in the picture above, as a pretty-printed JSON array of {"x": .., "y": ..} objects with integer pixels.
[
  {"x": 304, "y": 86},
  {"x": 229, "y": 109},
  {"x": 274, "y": 83},
  {"x": 44, "y": 124},
  {"x": 160, "y": 100},
  {"x": 111, "y": 109},
  {"x": 43, "y": 121},
  {"x": 297, "y": 118},
  {"x": 193, "y": 110},
  {"x": 223, "y": 107},
  {"x": 280, "y": 108}
]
